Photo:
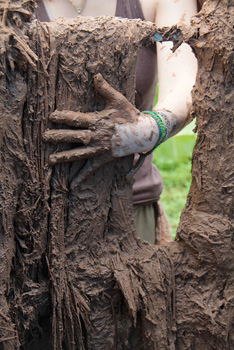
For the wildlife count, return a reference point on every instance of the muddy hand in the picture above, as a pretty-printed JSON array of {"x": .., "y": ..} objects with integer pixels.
[{"x": 117, "y": 131}]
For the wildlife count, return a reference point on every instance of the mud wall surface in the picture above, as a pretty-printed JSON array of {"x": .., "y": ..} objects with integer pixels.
[
  {"x": 73, "y": 273},
  {"x": 205, "y": 285}
]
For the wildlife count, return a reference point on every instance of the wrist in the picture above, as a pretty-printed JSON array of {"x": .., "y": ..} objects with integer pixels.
[
  {"x": 167, "y": 123},
  {"x": 138, "y": 137},
  {"x": 162, "y": 126}
]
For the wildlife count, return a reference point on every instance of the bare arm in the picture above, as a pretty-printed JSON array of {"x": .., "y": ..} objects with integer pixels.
[{"x": 176, "y": 71}]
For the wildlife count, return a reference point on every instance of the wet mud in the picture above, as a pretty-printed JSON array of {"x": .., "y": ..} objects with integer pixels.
[{"x": 73, "y": 273}]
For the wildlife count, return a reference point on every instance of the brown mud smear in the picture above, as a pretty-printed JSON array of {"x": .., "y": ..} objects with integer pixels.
[{"x": 73, "y": 273}]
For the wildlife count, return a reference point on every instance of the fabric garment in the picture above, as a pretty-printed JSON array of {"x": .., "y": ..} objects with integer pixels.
[
  {"x": 151, "y": 223},
  {"x": 145, "y": 218},
  {"x": 149, "y": 217},
  {"x": 41, "y": 13},
  {"x": 148, "y": 182}
]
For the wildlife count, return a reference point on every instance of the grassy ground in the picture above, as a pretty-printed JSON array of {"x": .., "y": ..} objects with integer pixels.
[{"x": 173, "y": 159}]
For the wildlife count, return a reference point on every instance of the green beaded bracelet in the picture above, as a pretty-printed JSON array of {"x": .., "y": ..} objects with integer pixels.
[{"x": 161, "y": 126}]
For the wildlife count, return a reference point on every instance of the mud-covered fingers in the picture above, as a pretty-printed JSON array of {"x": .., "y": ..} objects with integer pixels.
[
  {"x": 114, "y": 99},
  {"x": 76, "y": 119},
  {"x": 67, "y": 136},
  {"x": 74, "y": 155}
]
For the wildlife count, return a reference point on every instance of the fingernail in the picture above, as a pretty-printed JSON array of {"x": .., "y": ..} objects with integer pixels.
[{"x": 98, "y": 77}]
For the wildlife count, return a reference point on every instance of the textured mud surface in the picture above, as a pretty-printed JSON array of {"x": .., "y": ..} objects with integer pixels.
[{"x": 73, "y": 273}]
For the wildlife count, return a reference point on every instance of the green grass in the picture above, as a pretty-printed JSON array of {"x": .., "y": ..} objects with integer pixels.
[{"x": 173, "y": 159}]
